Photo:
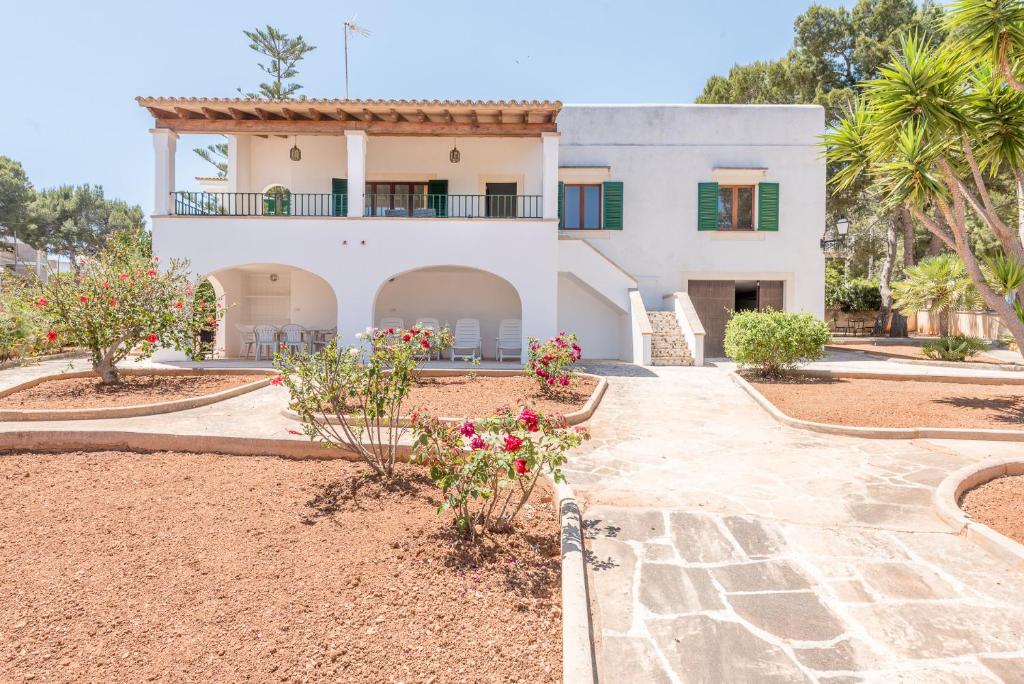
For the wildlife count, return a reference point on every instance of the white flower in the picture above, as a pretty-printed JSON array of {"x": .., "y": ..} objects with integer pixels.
[
  {"x": 355, "y": 351},
  {"x": 360, "y": 336}
]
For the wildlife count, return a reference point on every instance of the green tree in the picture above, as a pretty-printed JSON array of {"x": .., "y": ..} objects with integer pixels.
[
  {"x": 284, "y": 54},
  {"x": 216, "y": 155},
  {"x": 16, "y": 195},
  {"x": 77, "y": 220},
  {"x": 938, "y": 284}
]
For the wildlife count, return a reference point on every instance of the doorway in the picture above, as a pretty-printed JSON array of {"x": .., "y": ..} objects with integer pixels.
[
  {"x": 716, "y": 300},
  {"x": 501, "y": 200}
]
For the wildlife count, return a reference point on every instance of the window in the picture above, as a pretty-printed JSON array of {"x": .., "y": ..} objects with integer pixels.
[
  {"x": 276, "y": 201},
  {"x": 395, "y": 199},
  {"x": 736, "y": 207},
  {"x": 582, "y": 206}
]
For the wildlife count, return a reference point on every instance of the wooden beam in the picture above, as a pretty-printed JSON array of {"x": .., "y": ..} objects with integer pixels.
[
  {"x": 263, "y": 114},
  {"x": 186, "y": 114},
  {"x": 238, "y": 114},
  {"x": 501, "y": 116},
  {"x": 345, "y": 116},
  {"x": 213, "y": 114},
  {"x": 160, "y": 113},
  {"x": 369, "y": 116},
  {"x": 448, "y": 117},
  {"x": 315, "y": 114},
  {"x": 292, "y": 115},
  {"x": 328, "y": 127},
  {"x": 422, "y": 116},
  {"x": 472, "y": 115},
  {"x": 395, "y": 116}
]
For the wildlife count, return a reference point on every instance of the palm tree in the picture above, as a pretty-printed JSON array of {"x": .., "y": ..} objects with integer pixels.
[{"x": 939, "y": 284}]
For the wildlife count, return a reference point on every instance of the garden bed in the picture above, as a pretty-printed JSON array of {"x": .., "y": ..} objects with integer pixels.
[
  {"x": 463, "y": 397},
  {"x": 128, "y": 567},
  {"x": 998, "y": 503},
  {"x": 908, "y": 351},
  {"x": 864, "y": 402}
]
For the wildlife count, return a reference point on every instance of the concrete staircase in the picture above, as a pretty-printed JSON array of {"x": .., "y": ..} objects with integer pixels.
[{"x": 668, "y": 346}]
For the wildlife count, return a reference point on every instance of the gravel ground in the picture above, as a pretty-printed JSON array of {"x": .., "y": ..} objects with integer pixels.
[
  {"x": 133, "y": 390},
  {"x": 998, "y": 503},
  {"x": 898, "y": 403},
  {"x": 122, "y": 567},
  {"x": 906, "y": 351}
]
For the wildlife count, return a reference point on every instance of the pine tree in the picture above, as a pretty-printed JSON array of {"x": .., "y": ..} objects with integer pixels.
[{"x": 284, "y": 53}]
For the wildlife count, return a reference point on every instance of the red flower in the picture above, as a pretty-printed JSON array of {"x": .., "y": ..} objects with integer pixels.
[
  {"x": 520, "y": 466},
  {"x": 52, "y": 336},
  {"x": 390, "y": 331},
  {"x": 151, "y": 338},
  {"x": 478, "y": 443},
  {"x": 293, "y": 432},
  {"x": 512, "y": 443},
  {"x": 414, "y": 331},
  {"x": 113, "y": 301},
  {"x": 41, "y": 302},
  {"x": 467, "y": 429},
  {"x": 179, "y": 304},
  {"x": 106, "y": 285},
  {"x": 425, "y": 344},
  {"x": 83, "y": 299},
  {"x": 151, "y": 273},
  {"x": 529, "y": 419},
  {"x": 564, "y": 381},
  {"x": 277, "y": 380},
  {"x": 123, "y": 276},
  {"x": 406, "y": 337}
]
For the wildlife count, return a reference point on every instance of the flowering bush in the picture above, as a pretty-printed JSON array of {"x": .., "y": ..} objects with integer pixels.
[
  {"x": 22, "y": 327},
  {"x": 120, "y": 301},
  {"x": 487, "y": 469},
  {"x": 351, "y": 397},
  {"x": 550, "y": 363}
]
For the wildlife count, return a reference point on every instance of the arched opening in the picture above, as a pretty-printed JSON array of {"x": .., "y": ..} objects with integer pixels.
[
  {"x": 277, "y": 200},
  {"x": 270, "y": 294},
  {"x": 448, "y": 293}
]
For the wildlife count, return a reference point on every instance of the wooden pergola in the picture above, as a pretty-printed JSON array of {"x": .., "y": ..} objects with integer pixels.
[{"x": 376, "y": 117}]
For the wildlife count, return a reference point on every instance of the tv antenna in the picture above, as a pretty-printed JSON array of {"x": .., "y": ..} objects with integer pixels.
[{"x": 356, "y": 30}]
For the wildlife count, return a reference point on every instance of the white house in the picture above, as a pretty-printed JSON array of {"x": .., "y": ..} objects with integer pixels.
[{"x": 636, "y": 226}]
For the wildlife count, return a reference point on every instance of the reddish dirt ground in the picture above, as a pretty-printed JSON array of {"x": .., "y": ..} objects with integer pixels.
[
  {"x": 898, "y": 403},
  {"x": 899, "y": 351},
  {"x": 133, "y": 390},
  {"x": 998, "y": 503},
  {"x": 464, "y": 397},
  {"x": 122, "y": 567}
]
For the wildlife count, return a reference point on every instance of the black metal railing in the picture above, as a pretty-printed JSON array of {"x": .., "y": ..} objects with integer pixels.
[{"x": 420, "y": 205}]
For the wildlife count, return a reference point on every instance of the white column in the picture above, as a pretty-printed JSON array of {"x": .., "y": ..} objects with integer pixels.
[
  {"x": 355, "y": 309},
  {"x": 549, "y": 175},
  {"x": 164, "y": 147},
  {"x": 239, "y": 163},
  {"x": 355, "y": 142},
  {"x": 539, "y": 307}
]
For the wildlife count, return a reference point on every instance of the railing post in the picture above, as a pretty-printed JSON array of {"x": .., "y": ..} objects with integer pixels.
[{"x": 549, "y": 175}]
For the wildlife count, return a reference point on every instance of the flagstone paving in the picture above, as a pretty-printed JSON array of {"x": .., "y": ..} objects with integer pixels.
[{"x": 724, "y": 547}]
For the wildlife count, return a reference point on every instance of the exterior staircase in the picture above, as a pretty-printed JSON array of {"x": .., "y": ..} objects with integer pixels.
[{"x": 668, "y": 346}]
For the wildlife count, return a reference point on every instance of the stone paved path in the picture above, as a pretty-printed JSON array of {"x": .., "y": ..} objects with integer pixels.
[{"x": 724, "y": 547}]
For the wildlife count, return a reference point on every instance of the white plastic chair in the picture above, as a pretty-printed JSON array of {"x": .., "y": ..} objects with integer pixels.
[
  {"x": 467, "y": 336},
  {"x": 266, "y": 338},
  {"x": 432, "y": 324},
  {"x": 292, "y": 337},
  {"x": 386, "y": 323},
  {"x": 322, "y": 338},
  {"x": 247, "y": 340},
  {"x": 510, "y": 339}
]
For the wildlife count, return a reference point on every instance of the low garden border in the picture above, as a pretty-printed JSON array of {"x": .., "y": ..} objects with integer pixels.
[
  {"x": 139, "y": 409},
  {"x": 884, "y": 432},
  {"x": 572, "y": 418},
  {"x": 947, "y": 505},
  {"x": 578, "y": 661},
  {"x": 32, "y": 360},
  {"x": 929, "y": 362}
]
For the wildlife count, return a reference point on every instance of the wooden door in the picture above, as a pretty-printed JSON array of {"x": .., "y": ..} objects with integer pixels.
[
  {"x": 714, "y": 301},
  {"x": 770, "y": 295}
]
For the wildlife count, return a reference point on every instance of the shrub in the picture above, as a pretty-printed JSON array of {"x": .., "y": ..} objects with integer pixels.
[
  {"x": 856, "y": 294},
  {"x": 122, "y": 301},
  {"x": 351, "y": 397},
  {"x": 550, "y": 363},
  {"x": 953, "y": 347},
  {"x": 22, "y": 326},
  {"x": 488, "y": 469},
  {"x": 770, "y": 342}
]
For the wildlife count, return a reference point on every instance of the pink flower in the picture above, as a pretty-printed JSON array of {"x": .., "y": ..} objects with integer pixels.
[
  {"x": 277, "y": 380},
  {"x": 83, "y": 299},
  {"x": 106, "y": 285},
  {"x": 52, "y": 336},
  {"x": 123, "y": 276},
  {"x": 529, "y": 419},
  {"x": 512, "y": 443},
  {"x": 467, "y": 429},
  {"x": 113, "y": 301},
  {"x": 41, "y": 302},
  {"x": 520, "y": 466},
  {"x": 478, "y": 443},
  {"x": 151, "y": 273},
  {"x": 293, "y": 432},
  {"x": 406, "y": 337},
  {"x": 564, "y": 381},
  {"x": 179, "y": 304},
  {"x": 151, "y": 338}
]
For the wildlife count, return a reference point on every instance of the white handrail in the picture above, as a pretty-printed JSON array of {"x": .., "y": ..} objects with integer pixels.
[
  {"x": 689, "y": 324},
  {"x": 641, "y": 327}
]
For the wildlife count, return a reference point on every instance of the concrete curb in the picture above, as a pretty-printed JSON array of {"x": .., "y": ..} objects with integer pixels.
[
  {"x": 884, "y": 433},
  {"x": 947, "y": 505},
  {"x": 931, "y": 362},
  {"x": 572, "y": 418},
  {"x": 131, "y": 411},
  {"x": 578, "y": 658}
]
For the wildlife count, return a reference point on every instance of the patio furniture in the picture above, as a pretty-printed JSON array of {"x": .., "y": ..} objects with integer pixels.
[
  {"x": 322, "y": 338},
  {"x": 247, "y": 341},
  {"x": 293, "y": 337},
  {"x": 510, "y": 339},
  {"x": 428, "y": 212},
  {"x": 432, "y": 324},
  {"x": 266, "y": 338},
  {"x": 467, "y": 336},
  {"x": 392, "y": 322}
]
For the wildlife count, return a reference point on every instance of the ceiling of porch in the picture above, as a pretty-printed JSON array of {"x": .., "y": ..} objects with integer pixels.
[{"x": 376, "y": 117}]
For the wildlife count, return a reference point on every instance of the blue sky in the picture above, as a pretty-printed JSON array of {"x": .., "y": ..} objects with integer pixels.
[{"x": 71, "y": 118}]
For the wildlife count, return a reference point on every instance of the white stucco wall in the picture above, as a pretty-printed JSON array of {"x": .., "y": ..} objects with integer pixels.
[
  {"x": 595, "y": 321},
  {"x": 661, "y": 153}
]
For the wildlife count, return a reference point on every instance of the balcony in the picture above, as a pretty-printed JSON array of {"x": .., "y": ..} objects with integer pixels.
[{"x": 420, "y": 205}]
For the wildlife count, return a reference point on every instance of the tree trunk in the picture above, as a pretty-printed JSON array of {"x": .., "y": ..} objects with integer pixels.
[
  {"x": 107, "y": 372},
  {"x": 885, "y": 277},
  {"x": 909, "y": 258},
  {"x": 935, "y": 246}
]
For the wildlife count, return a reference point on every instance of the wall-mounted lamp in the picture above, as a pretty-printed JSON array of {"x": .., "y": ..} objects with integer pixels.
[
  {"x": 455, "y": 156},
  {"x": 295, "y": 153}
]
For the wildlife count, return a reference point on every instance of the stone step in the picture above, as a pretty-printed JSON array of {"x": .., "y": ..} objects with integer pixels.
[{"x": 672, "y": 361}]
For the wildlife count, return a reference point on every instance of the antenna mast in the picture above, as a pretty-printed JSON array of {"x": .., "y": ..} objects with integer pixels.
[{"x": 352, "y": 27}]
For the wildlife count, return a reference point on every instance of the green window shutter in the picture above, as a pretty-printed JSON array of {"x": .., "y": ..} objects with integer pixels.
[
  {"x": 767, "y": 206},
  {"x": 612, "y": 216},
  {"x": 437, "y": 193},
  {"x": 339, "y": 196},
  {"x": 707, "y": 206},
  {"x": 561, "y": 204},
  {"x": 286, "y": 200},
  {"x": 269, "y": 206}
]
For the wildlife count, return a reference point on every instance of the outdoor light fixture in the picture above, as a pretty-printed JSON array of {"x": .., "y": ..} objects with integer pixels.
[
  {"x": 842, "y": 227},
  {"x": 295, "y": 153},
  {"x": 836, "y": 237},
  {"x": 454, "y": 156},
  {"x": 273, "y": 277}
]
